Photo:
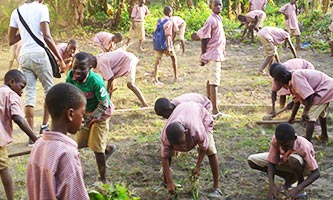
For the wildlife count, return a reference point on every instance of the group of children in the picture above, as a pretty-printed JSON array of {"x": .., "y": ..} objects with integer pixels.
[{"x": 54, "y": 168}]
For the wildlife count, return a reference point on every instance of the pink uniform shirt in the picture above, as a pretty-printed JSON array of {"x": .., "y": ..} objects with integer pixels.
[
  {"x": 250, "y": 16},
  {"x": 10, "y": 105},
  {"x": 307, "y": 82},
  {"x": 54, "y": 169},
  {"x": 290, "y": 11},
  {"x": 169, "y": 26},
  {"x": 193, "y": 97},
  {"x": 213, "y": 30},
  {"x": 197, "y": 120},
  {"x": 62, "y": 49},
  {"x": 274, "y": 35},
  {"x": 302, "y": 147},
  {"x": 257, "y": 4},
  {"x": 177, "y": 20},
  {"x": 102, "y": 39},
  {"x": 115, "y": 64},
  {"x": 331, "y": 25},
  {"x": 291, "y": 65},
  {"x": 139, "y": 13}
]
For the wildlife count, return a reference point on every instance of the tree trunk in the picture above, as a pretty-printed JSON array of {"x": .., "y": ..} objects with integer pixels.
[
  {"x": 117, "y": 17},
  {"x": 325, "y": 6}
]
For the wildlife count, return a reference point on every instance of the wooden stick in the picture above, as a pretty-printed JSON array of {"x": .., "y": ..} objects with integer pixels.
[{"x": 266, "y": 122}]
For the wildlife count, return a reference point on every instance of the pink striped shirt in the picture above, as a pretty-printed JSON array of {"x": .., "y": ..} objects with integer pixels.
[
  {"x": 250, "y": 16},
  {"x": 213, "y": 30},
  {"x": 10, "y": 105},
  {"x": 193, "y": 97},
  {"x": 257, "y": 4},
  {"x": 291, "y": 65},
  {"x": 197, "y": 120},
  {"x": 301, "y": 147},
  {"x": 54, "y": 169},
  {"x": 139, "y": 13},
  {"x": 103, "y": 39},
  {"x": 115, "y": 64},
  {"x": 290, "y": 11},
  {"x": 308, "y": 82},
  {"x": 177, "y": 20},
  {"x": 62, "y": 49},
  {"x": 274, "y": 34}
]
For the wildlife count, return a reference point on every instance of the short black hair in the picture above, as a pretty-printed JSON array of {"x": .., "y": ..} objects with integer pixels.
[
  {"x": 285, "y": 132},
  {"x": 174, "y": 132},
  {"x": 15, "y": 75},
  {"x": 280, "y": 73},
  {"x": 241, "y": 18},
  {"x": 72, "y": 42},
  {"x": 61, "y": 97},
  {"x": 119, "y": 36},
  {"x": 161, "y": 105},
  {"x": 93, "y": 61},
  {"x": 83, "y": 57},
  {"x": 167, "y": 10}
]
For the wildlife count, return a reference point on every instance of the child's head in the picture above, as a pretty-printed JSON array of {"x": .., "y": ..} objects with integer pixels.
[
  {"x": 216, "y": 6},
  {"x": 242, "y": 18},
  {"x": 117, "y": 38},
  {"x": 142, "y": 2},
  {"x": 163, "y": 107},
  {"x": 93, "y": 61},
  {"x": 293, "y": 1},
  {"x": 71, "y": 46},
  {"x": 81, "y": 66},
  {"x": 168, "y": 11},
  {"x": 280, "y": 73},
  {"x": 16, "y": 81},
  {"x": 175, "y": 133},
  {"x": 66, "y": 102},
  {"x": 285, "y": 135}
]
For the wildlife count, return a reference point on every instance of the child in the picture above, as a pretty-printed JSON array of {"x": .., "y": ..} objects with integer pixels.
[
  {"x": 257, "y": 5},
  {"x": 67, "y": 52},
  {"x": 291, "y": 65},
  {"x": 107, "y": 41},
  {"x": 169, "y": 27},
  {"x": 54, "y": 168},
  {"x": 181, "y": 26},
  {"x": 289, "y": 11},
  {"x": 270, "y": 37},
  {"x": 190, "y": 124},
  {"x": 252, "y": 20},
  {"x": 213, "y": 43},
  {"x": 291, "y": 157},
  {"x": 11, "y": 110},
  {"x": 164, "y": 107},
  {"x": 98, "y": 110},
  {"x": 14, "y": 52},
  {"x": 331, "y": 29},
  {"x": 116, "y": 64},
  {"x": 137, "y": 29},
  {"x": 312, "y": 88}
]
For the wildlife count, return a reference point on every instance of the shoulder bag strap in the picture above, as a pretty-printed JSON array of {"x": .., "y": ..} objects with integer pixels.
[{"x": 39, "y": 42}]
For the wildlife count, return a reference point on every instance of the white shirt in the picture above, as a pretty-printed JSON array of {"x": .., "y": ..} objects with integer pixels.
[{"x": 33, "y": 14}]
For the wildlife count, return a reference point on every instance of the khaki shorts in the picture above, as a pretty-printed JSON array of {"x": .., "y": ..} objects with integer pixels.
[
  {"x": 317, "y": 111},
  {"x": 95, "y": 137},
  {"x": 159, "y": 54},
  {"x": 211, "y": 148},
  {"x": 293, "y": 32},
  {"x": 181, "y": 33},
  {"x": 214, "y": 72},
  {"x": 138, "y": 31},
  {"x": 131, "y": 74},
  {"x": 260, "y": 159},
  {"x": 3, "y": 158},
  {"x": 269, "y": 48}
]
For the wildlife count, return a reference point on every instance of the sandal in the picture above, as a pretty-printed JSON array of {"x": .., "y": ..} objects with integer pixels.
[{"x": 215, "y": 194}]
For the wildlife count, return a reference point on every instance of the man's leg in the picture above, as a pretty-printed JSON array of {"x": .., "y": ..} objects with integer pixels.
[
  {"x": 182, "y": 42},
  {"x": 137, "y": 93},
  {"x": 29, "y": 115},
  {"x": 309, "y": 130},
  {"x": 213, "y": 98},
  {"x": 282, "y": 101},
  {"x": 7, "y": 182},
  {"x": 157, "y": 64},
  {"x": 141, "y": 45},
  {"x": 215, "y": 169},
  {"x": 174, "y": 66},
  {"x": 100, "y": 159},
  {"x": 323, "y": 125}
]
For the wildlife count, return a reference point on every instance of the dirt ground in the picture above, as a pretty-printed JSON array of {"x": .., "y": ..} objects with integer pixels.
[{"x": 243, "y": 95}]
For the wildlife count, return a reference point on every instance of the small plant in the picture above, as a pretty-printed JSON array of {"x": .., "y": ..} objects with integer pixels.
[{"x": 111, "y": 192}]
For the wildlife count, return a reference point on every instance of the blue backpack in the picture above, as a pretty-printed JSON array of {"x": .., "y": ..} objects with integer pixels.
[{"x": 159, "y": 40}]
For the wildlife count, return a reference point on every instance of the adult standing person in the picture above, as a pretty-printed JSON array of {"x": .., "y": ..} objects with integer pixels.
[
  {"x": 213, "y": 43},
  {"x": 32, "y": 58}
]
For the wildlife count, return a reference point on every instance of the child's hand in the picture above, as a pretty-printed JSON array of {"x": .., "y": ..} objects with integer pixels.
[
  {"x": 195, "y": 37},
  {"x": 195, "y": 172},
  {"x": 171, "y": 188}
]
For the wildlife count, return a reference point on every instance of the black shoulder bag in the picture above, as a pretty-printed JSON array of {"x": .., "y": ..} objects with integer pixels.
[{"x": 53, "y": 61}]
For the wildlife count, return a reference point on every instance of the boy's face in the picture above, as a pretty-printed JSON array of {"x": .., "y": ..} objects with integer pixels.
[
  {"x": 286, "y": 145},
  {"x": 142, "y": 2},
  {"x": 115, "y": 40},
  {"x": 80, "y": 70},
  {"x": 76, "y": 117},
  {"x": 71, "y": 49},
  {"x": 216, "y": 6},
  {"x": 293, "y": 1},
  {"x": 18, "y": 86}
]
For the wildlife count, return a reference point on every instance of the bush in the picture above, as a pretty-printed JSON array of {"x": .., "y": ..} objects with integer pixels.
[{"x": 111, "y": 192}]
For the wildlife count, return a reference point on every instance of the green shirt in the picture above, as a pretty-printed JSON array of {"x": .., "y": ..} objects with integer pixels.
[{"x": 93, "y": 88}]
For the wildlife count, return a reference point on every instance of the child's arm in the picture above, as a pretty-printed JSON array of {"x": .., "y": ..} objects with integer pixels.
[
  {"x": 315, "y": 174},
  {"x": 24, "y": 126},
  {"x": 167, "y": 175},
  {"x": 307, "y": 105},
  {"x": 201, "y": 156},
  {"x": 292, "y": 47},
  {"x": 110, "y": 87},
  {"x": 273, "y": 190},
  {"x": 244, "y": 32},
  {"x": 273, "y": 97},
  {"x": 294, "y": 112}
]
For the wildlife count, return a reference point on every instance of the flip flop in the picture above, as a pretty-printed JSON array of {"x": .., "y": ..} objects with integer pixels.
[{"x": 320, "y": 139}]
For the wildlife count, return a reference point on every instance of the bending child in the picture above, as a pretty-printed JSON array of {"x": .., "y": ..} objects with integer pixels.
[
  {"x": 116, "y": 64},
  {"x": 11, "y": 110},
  {"x": 252, "y": 20},
  {"x": 180, "y": 32},
  {"x": 107, "y": 41},
  {"x": 54, "y": 168},
  {"x": 291, "y": 157},
  {"x": 98, "y": 110},
  {"x": 190, "y": 124},
  {"x": 67, "y": 52}
]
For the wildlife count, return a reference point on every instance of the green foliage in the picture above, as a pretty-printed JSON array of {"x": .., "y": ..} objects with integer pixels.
[
  {"x": 5, "y": 17},
  {"x": 111, "y": 192}
]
